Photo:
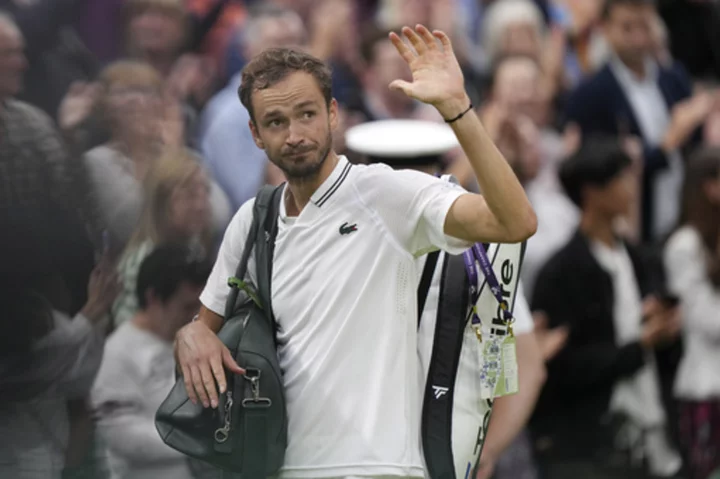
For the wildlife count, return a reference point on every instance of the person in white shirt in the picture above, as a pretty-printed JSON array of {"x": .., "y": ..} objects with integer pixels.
[
  {"x": 344, "y": 268},
  {"x": 138, "y": 369},
  {"x": 692, "y": 264}
]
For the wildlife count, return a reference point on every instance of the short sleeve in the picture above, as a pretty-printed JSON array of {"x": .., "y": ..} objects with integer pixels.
[
  {"x": 216, "y": 289},
  {"x": 413, "y": 207},
  {"x": 521, "y": 312}
]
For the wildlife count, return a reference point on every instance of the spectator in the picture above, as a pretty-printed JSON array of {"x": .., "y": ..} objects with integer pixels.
[
  {"x": 215, "y": 42},
  {"x": 634, "y": 95},
  {"x": 57, "y": 56},
  {"x": 176, "y": 207},
  {"x": 517, "y": 27},
  {"x": 383, "y": 65},
  {"x": 48, "y": 358},
  {"x": 692, "y": 261},
  {"x": 38, "y": 178},
  {"x": 577, "y": 21},
  {"x": 138, "y": 367},
  {"x": 158, "y": 32},
  {"x": 513, "y": 27},
  {"x": 598, "y": 286},
  {"x": 515, "y": 115},
  {"x": 131, "y": 103},
  {"x": 225, "y": 140}
]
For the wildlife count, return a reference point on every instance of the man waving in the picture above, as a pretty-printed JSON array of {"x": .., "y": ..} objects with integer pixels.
[{"x": 344, "y": 276}]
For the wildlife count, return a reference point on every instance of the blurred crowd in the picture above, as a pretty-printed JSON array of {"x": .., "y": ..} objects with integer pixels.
[{"x": 125, "y": 151}]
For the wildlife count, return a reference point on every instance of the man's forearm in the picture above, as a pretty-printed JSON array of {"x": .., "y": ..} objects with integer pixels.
[
  {"x": 499, "y": 185},
  {"x": 511, "y": 413}
]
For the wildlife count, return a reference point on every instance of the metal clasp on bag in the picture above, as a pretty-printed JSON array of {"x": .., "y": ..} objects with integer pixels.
[
  {"x": 222, "y": 434},
  {"x": 253, "y": 376}
]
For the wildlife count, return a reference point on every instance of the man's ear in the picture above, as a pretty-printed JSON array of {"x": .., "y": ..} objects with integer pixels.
[
  {"x": 333, "y": 115},
  {"x": 256, "y": 136}
]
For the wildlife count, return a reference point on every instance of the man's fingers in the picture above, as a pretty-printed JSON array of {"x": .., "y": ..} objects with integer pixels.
[
  {"x": 415, "y": 40},
  {"x": 444, "y": 39},
  {"x": 199, "y": 386},
  {"x": 188, "y": 380},
  {"x": 427, "y": 37},
  {"x": 208, "y": 381},
  {"x": 402, "y": 48},
  {"x": 230, "y": 363},
  {"x": 218, "y": 372}
]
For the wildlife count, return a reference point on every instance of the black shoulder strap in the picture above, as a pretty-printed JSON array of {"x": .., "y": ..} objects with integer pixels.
[
  {"x": 265, "y": 213},
  {"x": 437, "y": 411},
  {"x": 267, "y": 209},
  {"x": 425, "y": 281}
]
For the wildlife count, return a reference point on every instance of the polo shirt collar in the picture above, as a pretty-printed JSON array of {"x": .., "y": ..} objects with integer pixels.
[
  {"x": 328, "y": 188},
  {"x": 332, "y": 183}
]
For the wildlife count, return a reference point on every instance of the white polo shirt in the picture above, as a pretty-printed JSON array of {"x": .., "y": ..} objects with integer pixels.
[{"x": 344, "y": 294}]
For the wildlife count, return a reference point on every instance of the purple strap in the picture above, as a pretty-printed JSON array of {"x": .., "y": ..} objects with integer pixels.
[
  {"x": 477, "y": 252},
  {"x": 472, "y": 273}
]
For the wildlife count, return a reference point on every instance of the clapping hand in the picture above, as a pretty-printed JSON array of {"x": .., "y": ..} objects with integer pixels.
[
  {"x": 103, "y": 289},
  {"x": 77, "y": 104},
  {"x": 436, "y": 75}
]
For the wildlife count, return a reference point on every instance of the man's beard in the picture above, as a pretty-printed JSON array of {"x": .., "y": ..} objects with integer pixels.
[{"x": 307, "y": 169}]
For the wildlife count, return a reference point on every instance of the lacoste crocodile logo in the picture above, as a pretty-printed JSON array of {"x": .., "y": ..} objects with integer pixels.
[{"x": 346, "y": 229}]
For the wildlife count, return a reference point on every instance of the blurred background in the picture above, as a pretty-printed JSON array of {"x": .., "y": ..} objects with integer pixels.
[{"x": 124, "y": 153}]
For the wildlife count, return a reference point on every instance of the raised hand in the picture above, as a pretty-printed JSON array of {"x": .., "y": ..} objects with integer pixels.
[
  {"x": 437, "y": 77},
  {"x": 77, "y": 104},
  {"x": 103, "y": 288}
]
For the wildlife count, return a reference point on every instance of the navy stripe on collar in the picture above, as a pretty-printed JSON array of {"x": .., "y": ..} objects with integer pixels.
[{"x": 339, "y": 181}]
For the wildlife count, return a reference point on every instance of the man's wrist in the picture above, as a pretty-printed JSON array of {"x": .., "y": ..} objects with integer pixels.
[{"x": 453, "y": 107}]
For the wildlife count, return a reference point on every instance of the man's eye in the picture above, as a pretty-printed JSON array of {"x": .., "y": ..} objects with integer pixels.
[{"x": 308, "y": 114}]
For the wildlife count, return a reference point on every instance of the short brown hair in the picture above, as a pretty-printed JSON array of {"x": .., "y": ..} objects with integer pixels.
[{"x": 273, "y": 66}]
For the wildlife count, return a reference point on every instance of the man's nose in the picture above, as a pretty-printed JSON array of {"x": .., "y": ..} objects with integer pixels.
[{"x": 295, "y": 137}]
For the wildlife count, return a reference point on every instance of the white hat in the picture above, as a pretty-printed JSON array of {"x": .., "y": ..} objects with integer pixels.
[{"x": 401, "y": 141}]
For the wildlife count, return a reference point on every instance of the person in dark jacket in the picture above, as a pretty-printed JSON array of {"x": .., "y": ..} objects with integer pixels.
[
  {"x": 608, "y": 374},
  {"x": 634, "y": 95}
]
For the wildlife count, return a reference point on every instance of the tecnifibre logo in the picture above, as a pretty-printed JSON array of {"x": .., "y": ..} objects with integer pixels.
[{"x": 439, "y": 391}]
